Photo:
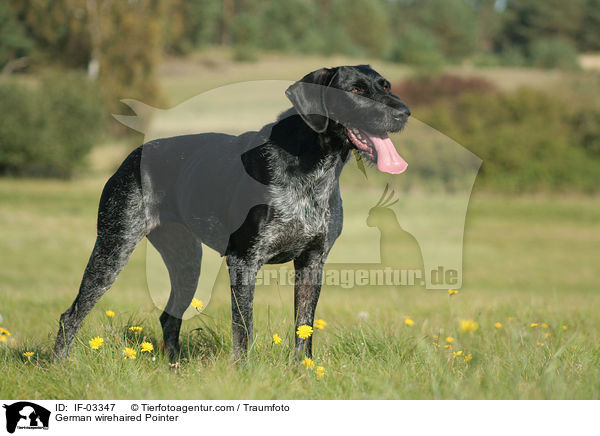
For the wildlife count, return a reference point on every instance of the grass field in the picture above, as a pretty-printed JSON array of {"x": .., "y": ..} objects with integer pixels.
[
  {"x": 532, "y": 259},
  {"x": 526, "y": 260}
]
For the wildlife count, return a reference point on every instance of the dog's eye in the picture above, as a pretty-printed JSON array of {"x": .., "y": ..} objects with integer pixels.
[{"x": 386, "y": 86}]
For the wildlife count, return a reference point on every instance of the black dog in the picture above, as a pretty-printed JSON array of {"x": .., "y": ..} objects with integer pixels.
[{"x": 263, "y": 197}]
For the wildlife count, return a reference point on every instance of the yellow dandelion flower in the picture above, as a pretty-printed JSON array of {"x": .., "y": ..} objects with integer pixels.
[
  {"x": 96, "y": 342},
  {"x": 512, "y": 318},
  {"x": 304, "y": 331},
  {"x": 448, "y": 346},
  {"x": 3, "y": 338},
  {"x": 468, "y": 357},
  {"x": 276, "y": 339},
  {"x": 541, "y": 344},
  {"x": 452, "y": 292},
  {"x": 544, "y": 325},
  {"x": 533, "y": 324},
  {"x": 457, "y": 353},
  {"x": 449, "y": 339},
  {"x": 197, "y": 304},
  {"x": 320, "y": 324},
  {"x": 308, "y": 363},
  {"x": 28, "y": 354},
  {"x": 547, "y": 335},
  {"x": 409, "y": 322},
  {"x": 565, "y": 328},
  {"x": 3, "y": 331},
  {"x": 147, "y": 347},
  {"x": 109, "y": 313},
  {"x": 498, "y": 325},
  {"x": 136, "y": 329},
  {"x": 468, "y": 325},
  {"x": 129, "y": 353},
  {"x": 320, "y": 371}
]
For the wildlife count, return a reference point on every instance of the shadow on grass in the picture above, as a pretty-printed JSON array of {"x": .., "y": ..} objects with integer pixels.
[
  {"x": 41, "y": 355},
  {"x": 204, "y": 343}
]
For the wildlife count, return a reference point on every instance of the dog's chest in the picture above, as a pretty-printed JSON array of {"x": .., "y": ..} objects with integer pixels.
[{"x": 301, "y": 214}]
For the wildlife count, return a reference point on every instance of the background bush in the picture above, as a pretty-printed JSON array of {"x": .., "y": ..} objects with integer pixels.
[
  {"x": 553, "y": 53},
  {"x": 430, "y": 89},
  {"x": 528, "y": 140},
  {"x": 47, "y": 129},
  {"x": 418, "y": 47}
]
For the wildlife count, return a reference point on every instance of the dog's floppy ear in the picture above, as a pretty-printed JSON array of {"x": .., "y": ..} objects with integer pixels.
[{"x": 307, "y": 96}]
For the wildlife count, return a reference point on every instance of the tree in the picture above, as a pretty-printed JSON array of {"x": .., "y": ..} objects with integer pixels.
[
  {"x": 366, "y": 23},
  {"x": 452, "y": 23},
  {"x": 525, "y": 21},
  {"x": 289, "y": 26},
  {"x": 190, "y": 24},
  {"x": 14, "y": 42},
  {"x": 589, "y": 37},
  {"x": 118, "y": 42}
]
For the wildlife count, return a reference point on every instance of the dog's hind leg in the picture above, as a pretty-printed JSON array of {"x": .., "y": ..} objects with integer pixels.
[
  {"x": 182, "y": 254},
  {"x": 122, "y": 223}
]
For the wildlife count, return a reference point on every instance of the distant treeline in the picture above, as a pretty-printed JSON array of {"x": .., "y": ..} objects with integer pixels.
[
  {"x": 545, "y": 33},
  {"x": 120, "y": 42},
  {"x": 102, "y": 35}
]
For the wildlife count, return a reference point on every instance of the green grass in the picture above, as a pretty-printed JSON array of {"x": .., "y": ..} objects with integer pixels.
[{"x": 531, "y": 258}]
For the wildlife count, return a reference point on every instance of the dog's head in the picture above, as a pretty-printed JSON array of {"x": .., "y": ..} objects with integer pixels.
[{"x": 355, "y": 103}]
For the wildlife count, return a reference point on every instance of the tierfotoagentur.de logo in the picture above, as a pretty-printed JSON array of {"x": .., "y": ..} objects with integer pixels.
[{"x": 26, "y": 416}]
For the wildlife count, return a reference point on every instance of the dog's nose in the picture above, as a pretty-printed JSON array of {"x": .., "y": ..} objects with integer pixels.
[{"x": 401, "y": 113}]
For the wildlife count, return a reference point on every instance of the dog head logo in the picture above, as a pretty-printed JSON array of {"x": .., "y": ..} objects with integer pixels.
[{"x": 26, "y": 415}]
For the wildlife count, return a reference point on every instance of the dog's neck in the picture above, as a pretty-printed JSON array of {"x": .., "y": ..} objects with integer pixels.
[
  {"x": 302, "y": 151},
  {"x": 295, "y": 153}
]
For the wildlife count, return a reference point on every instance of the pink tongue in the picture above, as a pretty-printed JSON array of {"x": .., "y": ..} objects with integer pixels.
[{"x": 388, "y": 159}]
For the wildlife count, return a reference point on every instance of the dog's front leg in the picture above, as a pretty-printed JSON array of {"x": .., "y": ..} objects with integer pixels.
[
  {"x": 309, "y": 274},
  {"x": 242, "y": 277}
]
